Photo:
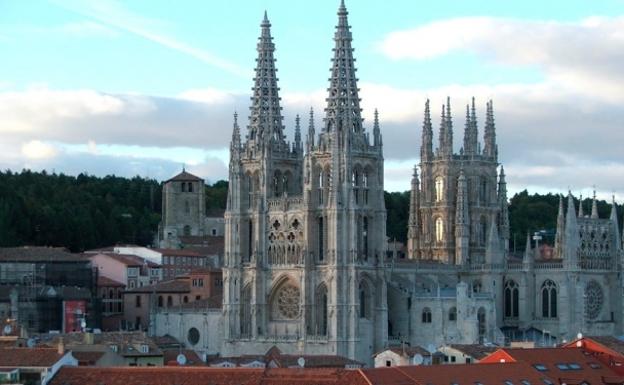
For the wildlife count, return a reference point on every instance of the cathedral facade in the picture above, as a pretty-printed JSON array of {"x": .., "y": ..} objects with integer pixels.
[{"x": 305, "y": 224}]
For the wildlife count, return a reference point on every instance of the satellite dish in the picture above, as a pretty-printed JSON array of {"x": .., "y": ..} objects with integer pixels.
[
  {"x": 83, "y": 323},
  {"x": 418, "y": 359},
  {"x": 431, "y": 348},
  {"x": 181, "y": 359},
  {"x": 30, "y": 343},
  {"x": 7, "y": 329},
  {"x": 301, "y": 362},
  {"x": 579, "y": 336}
]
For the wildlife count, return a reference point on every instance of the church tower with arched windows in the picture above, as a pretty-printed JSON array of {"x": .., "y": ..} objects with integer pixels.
[
  {"x": 458, "y": 208},
  {"x": 305, "y": 233}
]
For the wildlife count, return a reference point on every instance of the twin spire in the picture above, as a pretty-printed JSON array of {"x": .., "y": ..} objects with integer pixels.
[
  {"x": 471, "y": 146},
  {"x": 343, "y": 112}
]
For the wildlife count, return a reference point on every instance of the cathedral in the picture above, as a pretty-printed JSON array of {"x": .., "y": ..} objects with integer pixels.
[{"x": 305, "y": 236}]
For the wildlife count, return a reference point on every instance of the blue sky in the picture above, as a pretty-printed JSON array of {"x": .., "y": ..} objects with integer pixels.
[{"x": 143, "y": 86}]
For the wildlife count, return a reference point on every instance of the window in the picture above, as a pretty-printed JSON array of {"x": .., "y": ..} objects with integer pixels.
[
  {"x": 160, "y": 301},
  {"x": 453, "y": 359},
  {"x": 594, "y": 365},
  {"x": 468, "y": 360},
  {"x": 547, "y": 381},
  {"x": 508, "y": 382},
  {"x": 138, "y": 301},
  {"x": 364, "y": 300},
  {"x": 213, "y": 232},
  {"x": 549, "y": 299},
  {"x": 388, "y": 363},
  {"x": 563, "y": 366},
  {"x": 540, "y": 367},
  {"x": 452, "y": 316},
  {"x": 321, "y": 240},
  {"x": 197, "y": 297},
  {"x": 169, "y": 301},
  {"x": 426, "y": 316},
  {"x": 525, "y": 382},
  {"x": 185, "y": 299},
  {"x": 183, "y": 187},
  {"x": 193, "y": 336},
  {"x": 511, "y": 299},
  {"x": 574, "y": 366},
  {"x": 439, "y": 189},
  {"x": 439, "y": 230},
  {"x": 190, "y": 187},
  {"x": 144, "y": 348}
]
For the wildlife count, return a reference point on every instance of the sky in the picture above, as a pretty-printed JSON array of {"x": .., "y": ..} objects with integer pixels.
[{"x": 147, "y": 86}]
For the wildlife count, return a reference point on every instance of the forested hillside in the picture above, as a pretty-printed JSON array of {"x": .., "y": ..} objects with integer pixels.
[{"x": 86, "y": 212}]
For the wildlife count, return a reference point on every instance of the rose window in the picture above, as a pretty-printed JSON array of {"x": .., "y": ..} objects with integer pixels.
[
  {"x": 594, "y": 298},
  {"x": 287, "y": 302}
]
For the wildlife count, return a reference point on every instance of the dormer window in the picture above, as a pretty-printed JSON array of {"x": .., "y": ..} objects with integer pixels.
[
  {"x": 144, "y": 348},
  {"x": 114, "y": 348}
]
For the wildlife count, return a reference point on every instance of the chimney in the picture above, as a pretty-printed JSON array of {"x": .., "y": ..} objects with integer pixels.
[{"x": 61, "y": 347}]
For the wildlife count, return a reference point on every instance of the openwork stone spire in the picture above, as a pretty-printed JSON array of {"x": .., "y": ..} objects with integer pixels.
[
  {"x": 471, "y": 133},
  {"x": 297, "y": 145},
  {"x": 414, "y": 218},
  {"x": 560, "y": 230},
  {"x": 311, "y": 131},
  {"x": 236, "y": 139},
  {"x": 426, "y": 149},
  {"x": 489, "y": 148},
  {"x": 343, "y": 113},
  {"x": 462, "y": 221},
  {"x": 265, "y": 124},
  {"x": 594, "y": 212}
]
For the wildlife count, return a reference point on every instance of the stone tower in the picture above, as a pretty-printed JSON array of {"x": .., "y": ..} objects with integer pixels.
[
  {"x": 459, "y": 197},
  {"x": 183, "y": 206},
  {"x": 305, "y": 233}
]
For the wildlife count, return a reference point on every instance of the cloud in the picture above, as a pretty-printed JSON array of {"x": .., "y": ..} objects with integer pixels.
[
  {"x": 114, "y": 14},
  {"x": 583, "y": 56},
  {"x": 36, "y": 149}
]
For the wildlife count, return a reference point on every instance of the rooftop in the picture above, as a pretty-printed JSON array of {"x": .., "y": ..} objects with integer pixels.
[
  {"x": 171, "y": 286},
  {"x": 38, "y": 254},
  {"x": 475, "y": 350},
  {"x": 29, "y": 357},
  {"x": 130, "y": 260},
  {"x": 107, "y": 282},
  {"x": 185, "y": 177},
  {"x": 203, "y": 376}
]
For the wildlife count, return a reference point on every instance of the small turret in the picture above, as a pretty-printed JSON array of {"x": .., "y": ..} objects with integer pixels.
[
  {"x": 614, "y": 220},
  {"x": 426, "y": 149},
  {"x": 594, "y": 212},
  {"x": 448, "y": 129},
  {"x": 413, "y": 230},
  {"x": 376, "y": 131},
  {"x": 297, "y": 147},
  {"x": 504, "y": 209},
  {"x": 493, "y": 249},
  {"x": 311, "y": 133},
  {"x": 235, "y": 144},
  {"x": 581, "y": 213},
  {"x": 571, "y": 238},
  {"x": 489, "y": 137},
  {"x": 527, "y": 258},
  {"x": 442, "y": 133},
  {"x": 560, "y": 230},
  {"x": 462, "y": 221},
  {"x": 471, "y": 136}
]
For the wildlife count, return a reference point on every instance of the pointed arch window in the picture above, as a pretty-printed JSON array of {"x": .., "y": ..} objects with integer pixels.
[
  {"x": 439, "y": 229},
  {"x": 452, "y": 315},
  {"x": 481, "y": 325},
  {"x": 439, "y": 189},
  {"x": 245, "y": 312},
  {"x": 321, "y": 310},
  {"x": 549, "y": 299},
  {"x": 365, "y": 300},
  {"x": 512, "y": 299}
]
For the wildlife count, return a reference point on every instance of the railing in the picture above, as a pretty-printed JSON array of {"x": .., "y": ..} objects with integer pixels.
[
  {"x": 595, "y": 264},
  {"x": 546, "y": 265},
  {"x": 285, "y": 203}
]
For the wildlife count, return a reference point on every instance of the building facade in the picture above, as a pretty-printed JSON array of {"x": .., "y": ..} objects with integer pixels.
[{"x": 305, "y": 266}]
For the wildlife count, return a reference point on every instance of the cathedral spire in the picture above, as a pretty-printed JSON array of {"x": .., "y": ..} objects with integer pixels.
[
  {"x": 265, "y": 124},
  {"x": 236, "y": 139},
  {"x": 560, "y": 229},
  {"x": 571, "y": 237},
  {"x": 311, "y": 131},
  {"x": 376, "y": 131},
  {"x": 504, "y": 209},
  {"x": 447, "y": 145},
  {"x": 471, "y": 140},
  {"x": 343, "y": 113},
  {"x": 489, "y": 138},
  {"x": 413, "y": 231},
  {"x": 581, "y": 214},
  {"x": 426, "y": 148},
  {"x": 297, "y": 147},
  {"x": 492, "y": 249},
  {"x": 614, "y": 221},
  {"x": 594, "y": 212},
  {"x": 442, "y": 133},
  {"x": 527, "y": 258}
]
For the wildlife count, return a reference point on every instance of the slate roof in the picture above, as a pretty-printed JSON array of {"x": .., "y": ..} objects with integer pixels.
[
  {"x": 39, "y": 254},
  {"x": 185, "y": 176},
  {"x": 475, "y": 350}
]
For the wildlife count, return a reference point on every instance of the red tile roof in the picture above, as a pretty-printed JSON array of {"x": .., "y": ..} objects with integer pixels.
[
  {"x": 29, "y": 357},
  {"x": 468, "y": 374},
  {"x": 204, "y": 376},
  {"x": 131, "y": 260},
  {"x": 86, "y": 358},
  {"x": 475, "y": 350},
  {"x": 179, "y": 252},
  {"x": 585, "y": 365},
  {"x": 192, "y": 359},
  {"x": 408, "y": 351}
]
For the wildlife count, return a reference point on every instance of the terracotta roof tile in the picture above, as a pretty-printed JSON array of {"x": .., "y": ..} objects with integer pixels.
[
  {"x": 475, "y": 350},
  {"x": 29, "y": 357},
  {"x": 203, "y": 376},
  {"x": 192, "y": 359}
]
